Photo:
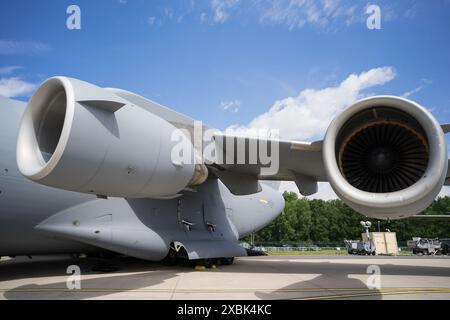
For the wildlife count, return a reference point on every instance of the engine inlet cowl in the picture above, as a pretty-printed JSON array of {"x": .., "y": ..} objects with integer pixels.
[
  {"x": 386, "y": 157},
  {"x": 79, "y": 137}
]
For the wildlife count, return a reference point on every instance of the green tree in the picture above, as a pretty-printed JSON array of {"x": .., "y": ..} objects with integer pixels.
[{"x": 320, "y": 222}]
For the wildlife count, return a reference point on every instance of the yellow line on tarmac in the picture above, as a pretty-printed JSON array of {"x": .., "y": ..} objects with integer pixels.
[{"x": 374, "y": 294}]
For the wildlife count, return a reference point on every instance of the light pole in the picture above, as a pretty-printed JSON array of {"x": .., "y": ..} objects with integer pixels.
[
  {"x": 366, "y": 225},
  {"x": 369, "y": 245}
]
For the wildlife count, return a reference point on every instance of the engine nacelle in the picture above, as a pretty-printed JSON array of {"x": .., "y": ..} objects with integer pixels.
[
  {"x": 386, "y": 157},
  {"x": 79, "y": 137}
]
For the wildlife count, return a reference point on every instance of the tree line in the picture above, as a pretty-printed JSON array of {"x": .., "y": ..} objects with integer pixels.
[{"x": 328, "y": 223}]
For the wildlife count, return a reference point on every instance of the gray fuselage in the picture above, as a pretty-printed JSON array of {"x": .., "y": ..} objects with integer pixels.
[{"x": 37, "y": 220}]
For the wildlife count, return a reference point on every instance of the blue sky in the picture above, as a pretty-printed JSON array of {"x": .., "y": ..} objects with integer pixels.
[{"x": 228, "y": 62}]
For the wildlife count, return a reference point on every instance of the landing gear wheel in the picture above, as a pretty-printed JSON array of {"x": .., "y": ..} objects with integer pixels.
[
  {"x": 179, "y": 258},
  {"x": 208, "y": 263},
  {"x": 227, "y": 261}
]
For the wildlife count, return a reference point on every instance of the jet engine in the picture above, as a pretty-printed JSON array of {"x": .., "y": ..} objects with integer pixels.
[
  {"x": 79, "y": 137},
  {"x": 386, "y": 157}
]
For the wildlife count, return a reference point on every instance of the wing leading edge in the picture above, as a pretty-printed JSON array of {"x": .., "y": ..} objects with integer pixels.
[{"x": 296, "y": 161}]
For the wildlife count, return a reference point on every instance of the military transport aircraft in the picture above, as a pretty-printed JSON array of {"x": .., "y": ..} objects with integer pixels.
[{"x": 85, "y": 169}]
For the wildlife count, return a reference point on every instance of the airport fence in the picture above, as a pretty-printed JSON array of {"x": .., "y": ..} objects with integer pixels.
[
  {"x": 299, "y": 249},
  {"x": 269, "y": 249}
]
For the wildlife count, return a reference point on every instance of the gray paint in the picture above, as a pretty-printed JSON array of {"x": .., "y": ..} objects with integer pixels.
[
  {"x": 36, "y": 219},
  {"x": 208, "y": 219},
  {"x": 99, "y": 149}
]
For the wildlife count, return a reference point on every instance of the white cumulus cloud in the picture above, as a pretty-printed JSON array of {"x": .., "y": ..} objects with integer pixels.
[
  {"x": 15, "y": 87},
  {"x": 309, "y": 114}
]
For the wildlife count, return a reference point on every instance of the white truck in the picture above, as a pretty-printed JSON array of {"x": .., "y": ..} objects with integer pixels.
[{"x": 424, "y": 246}]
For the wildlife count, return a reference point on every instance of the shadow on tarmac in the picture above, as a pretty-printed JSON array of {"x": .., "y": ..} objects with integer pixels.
[{"x": 142, "y": 274}]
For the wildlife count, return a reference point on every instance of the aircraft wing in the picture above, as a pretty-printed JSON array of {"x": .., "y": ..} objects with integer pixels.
[
  {"x": 298, "y": 161},
  {"x": 392, "y": 151}
]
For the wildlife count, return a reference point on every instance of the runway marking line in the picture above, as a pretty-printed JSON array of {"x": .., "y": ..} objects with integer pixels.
[
  {"x": 363, "y": 291},
  {"x": 374, "y": 294}
]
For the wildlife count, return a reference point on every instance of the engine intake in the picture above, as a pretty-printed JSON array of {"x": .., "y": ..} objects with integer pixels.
[
  {"x": 79, "y": 137},
  {"x": 386, "y": 157},
  {"x": 388, "y": 153}
]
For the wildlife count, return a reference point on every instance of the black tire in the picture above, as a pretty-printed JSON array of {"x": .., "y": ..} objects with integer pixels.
[
  {"x": 227, "y": 261},
  {"x": 209, "y": 263}
]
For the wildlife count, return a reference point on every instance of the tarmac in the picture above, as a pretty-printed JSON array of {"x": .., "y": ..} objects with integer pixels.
[{"x": 255, "y": 278}]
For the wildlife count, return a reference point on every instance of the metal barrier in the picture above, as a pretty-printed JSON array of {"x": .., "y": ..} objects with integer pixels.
[{"x": 300, "y": 249}]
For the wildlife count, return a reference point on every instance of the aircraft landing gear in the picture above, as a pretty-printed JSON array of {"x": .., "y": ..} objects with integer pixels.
[
  {"x": 181, "y": 258},
  {"x": 210, "y": 263},
  {"x": 227, "y": 261}
]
